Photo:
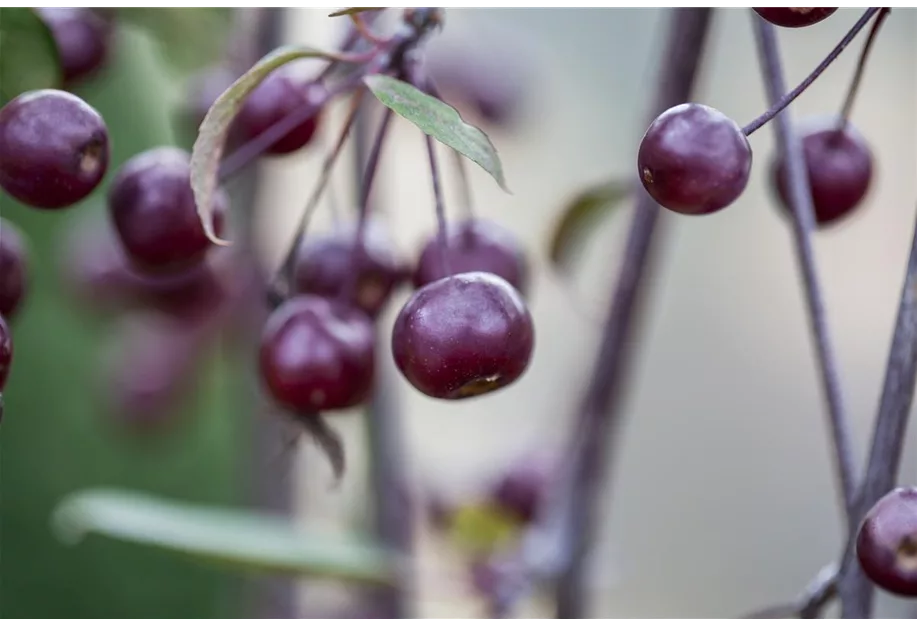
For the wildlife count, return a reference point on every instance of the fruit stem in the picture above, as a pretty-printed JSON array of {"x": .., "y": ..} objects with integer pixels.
[
  {"x": 861, "y": 65},
  {"x": 369, "y": 175},
  {"x": 800, "y": 199},
  {"x": 441, "y": 234},
  {"x": 783, "y": 102},
  {"x": 275, "y": 297},
  {"x": 364, "y": 30},
  {"x": 888, "y": 438}
]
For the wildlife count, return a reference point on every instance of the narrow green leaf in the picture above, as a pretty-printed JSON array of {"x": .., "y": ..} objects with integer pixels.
[
  {"x": 354, "y": 11},
  {"x": 437, "y": 119},
  {"x": 211, "y": 138},
  {"x": 579, "y": 217},
  {"x": 189, "y": 38},
  {"x": 237, "y": 539},
  {"x": 28, "y": 54}
]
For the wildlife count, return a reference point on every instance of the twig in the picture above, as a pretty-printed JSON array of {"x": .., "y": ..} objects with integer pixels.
[
  {"x": 800, "y": 197},
  {"x": 861, "y": 66},
  {"x": 888, "y": 437},
  {"x": 817, "y": 594},
  {"x": 600, "y": 412},
  {"x": 786, "y": 99}
]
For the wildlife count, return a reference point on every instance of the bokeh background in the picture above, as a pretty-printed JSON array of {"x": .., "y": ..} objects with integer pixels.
[{"x": 721, "y": 499}]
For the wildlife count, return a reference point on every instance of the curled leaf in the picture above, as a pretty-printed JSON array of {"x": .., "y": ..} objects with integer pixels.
[
  {"x": 438, "y": 120},
  {"x": 578, "y": 218},
  {"x": 238, "y": 539},
  {"x": 211, "y": 139},
  {"x": 355, "y": 11},
  {"x": 28, "y": 53}
]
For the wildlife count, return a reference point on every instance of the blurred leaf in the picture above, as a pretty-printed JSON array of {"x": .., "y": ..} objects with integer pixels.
[
  {"x": 28, "y": 53},
  {"x": 482, "y": 528},
  {"x": 189, "y": 38},
  {"x": 211, "y": 139},
  {"x": 579, "y": 217},
  {"x": 236, "y": 538},
  {"x": 437, "y": 119},
  {"x": 354, "y": 11}
]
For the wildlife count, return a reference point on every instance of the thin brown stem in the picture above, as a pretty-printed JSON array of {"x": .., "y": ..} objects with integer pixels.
[
  {"x": 861, "y": 66},
  {"x": 800, "y": 197},
  {"x": 789, "y": 97}
]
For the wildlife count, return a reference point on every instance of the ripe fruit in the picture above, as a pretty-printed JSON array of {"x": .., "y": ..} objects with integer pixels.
[
  {"x": 794, "y": 17},
  {"x": 53, "y": 148},
  {"x": 6, "y": 352},
  {"x": 839, "y": 164},
  {"x": 694, "y": 160},
  {"x": 13, "y": 276},
  {"x": 278, "y": 96},
  {"x": 325, "y": 266},
  {"x": 520, "y": 490},
  {"x": 317, "y": 355},
  {"x": 463, "y": 335},
  {"x": 83, "y": 40},
  {"x": 152, "y": 207},
  {"x": 887, "y": 542},
  {"x": 474, "y": 246}
]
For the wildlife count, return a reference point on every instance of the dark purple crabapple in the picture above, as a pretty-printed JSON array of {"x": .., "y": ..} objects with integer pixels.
[
  {"x": 317, "y": 354},
  {"x": 522, "y": 486},
  {"x": 887, "y": 542},
  {"x": 83, "y": 40},
  {"x": 153, "y": 211},
  {"x": 694, "y": 160},
  {"x": 278, "y": 96},
  {"x": 53, "y": 148},
  {"x": 840, "y": 167},
  {"x": 13, "y": 268},
  {"x": 794, "y": 17},
  {"x": 462, "y": 336},
  {"x": 474, "y": 245},
  {"x": 324, "y": 266},
  {"x": 6, "y": 353}
]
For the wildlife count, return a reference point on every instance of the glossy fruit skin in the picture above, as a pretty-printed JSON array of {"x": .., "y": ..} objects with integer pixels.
[
  {"x": 462, "y": 336},
  {"x": 474, "y": 245},
  {"x": 53, "y": 148},
  {"x": 887, "y": 542},
  {"x": 794, "y": 17},
  {"x": 840, "y": 167},
  {"x": 13, "y": 269},
  {"x": 6, "y": 352},
  {"x": 694, "y": 160},
  {"x": 83, "y": 40},
  {"x": 153, "y": 210},
  {"x": 317, "y": 354},
  {"x": 276, "y": 97},
  {"x": 324, "y": 266}
]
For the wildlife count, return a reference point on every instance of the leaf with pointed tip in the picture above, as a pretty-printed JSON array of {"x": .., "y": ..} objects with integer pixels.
[
  {"x": 355, "y": 11},
  {"x": 438, "y": 120},
  {"x": 211, "y": 139},
  {"x": 28, "y": 54},
  {"x": 239, "y": 539},
  {"x": 579, "y": 217}
]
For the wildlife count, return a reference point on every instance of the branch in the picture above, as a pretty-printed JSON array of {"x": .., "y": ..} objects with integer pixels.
[
  {"x": 800, "y": 197},
  {"x": 888, "y": 437},
  {"x": 817, "y": 594},
  {"x": 600, "y": 415}
]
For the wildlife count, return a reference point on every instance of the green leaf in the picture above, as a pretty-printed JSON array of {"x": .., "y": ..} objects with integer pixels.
[
  {"x": 437, "y": 119},
  {"x": 28, "y": 53},
  {"x": 238, "y": 539},
  {"x": 579, "y": 217},
  {"x": 189, "y": 38},
  {"x": 211, "y": 139},
  {"x": 355, "y": 11}
]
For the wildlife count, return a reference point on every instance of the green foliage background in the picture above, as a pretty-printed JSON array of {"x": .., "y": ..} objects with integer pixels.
[{"x": 56, "y": 438}]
